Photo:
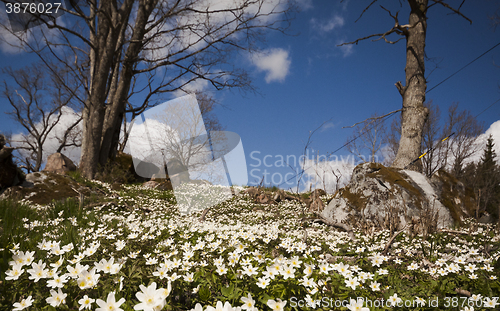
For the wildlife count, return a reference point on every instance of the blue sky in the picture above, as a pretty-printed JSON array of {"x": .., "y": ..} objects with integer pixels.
[
  {"x": 325, "y": 81},
  {"x": 306, "y": 79}
]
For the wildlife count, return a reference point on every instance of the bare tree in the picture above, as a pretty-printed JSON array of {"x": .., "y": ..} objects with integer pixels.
[
  {"x": 206, "y": 104},
  {"x": 372, "y": 133},
  {"x": 37, "y": 102},
  {"x": 464, "y": 143},
  {"x": 137, "y": 51},
  {"x": 451, "y": 154},
  {"x": 414, "y": 112},
  {"x": 392, "y": 141},
  {"x": 495, "y": 18},
  {"x": 431, "y": 137}
]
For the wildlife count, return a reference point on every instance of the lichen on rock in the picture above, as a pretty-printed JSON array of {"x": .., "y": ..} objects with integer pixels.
[{"x": 388, "y": 197}]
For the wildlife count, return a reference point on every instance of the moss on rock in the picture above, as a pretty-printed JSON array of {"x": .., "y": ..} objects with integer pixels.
[
  {"x": 47, "y": 188},
  {"x": 376, "y": 192},
  {"x": 458, "y": 198}
]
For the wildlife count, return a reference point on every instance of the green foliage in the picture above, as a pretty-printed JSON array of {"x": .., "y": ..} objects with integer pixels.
[
  {"x": 232, "y": 232},
  {"x": 484, "y": 176},
  {"x": 77, "y": 176},
  {"x": 112, "y": 172}
]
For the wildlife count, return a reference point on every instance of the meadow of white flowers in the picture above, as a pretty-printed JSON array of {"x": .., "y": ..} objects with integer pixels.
[{"x": 154, "y": 258}]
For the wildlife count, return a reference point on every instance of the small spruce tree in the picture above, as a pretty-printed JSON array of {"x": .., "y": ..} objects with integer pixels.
[{"x": 488, "y": 180}]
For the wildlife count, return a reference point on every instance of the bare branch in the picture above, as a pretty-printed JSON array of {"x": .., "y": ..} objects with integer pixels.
[
  {"x": 366, "y": 9},
  {"x": 463, "y": 292},
  {"x": 368, "y": 37},
  {"x": 460, "y": 6},
  {"x": 64, "y": 141},
  {"x": 339, "y": 225},
  {"x": 389, "y": 243},
  {"x": 401, "y": 30},
  {"x": 373, "y": 118},
  {"x": 456, "y": 11}
]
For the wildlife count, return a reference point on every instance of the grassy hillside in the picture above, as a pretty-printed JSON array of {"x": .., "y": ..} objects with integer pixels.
[{"x": 131, "y": 246}]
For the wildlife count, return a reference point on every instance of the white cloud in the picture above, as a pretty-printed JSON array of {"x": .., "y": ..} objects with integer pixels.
[
  {"x": 331, "y": 174},
  {"x": 327, "y": 126},
  {"x": 336, "y": 21},
  {"x": 304, "y": 4},
  {"x": 494, "y": 131},
  {"x": 196, "y": 29},
  {"x": 346, "y": 49},
  {"x": 197, "y": 85},
  {"x": 275, "y": 62}
]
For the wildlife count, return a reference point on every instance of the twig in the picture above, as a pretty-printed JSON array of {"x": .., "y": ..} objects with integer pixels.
[
  {"x": 345, "y": 227},
  {"x": 373, "y": 118},
  {"x": 463, "y": 292},
  {"x": 392, "y": 240},
  {"x": 366, "y": 9},
  {"x": 202, "y": 218},
  {"x": 261, "y": 182},
  {"x": 446, "y": 5},
  {"x": 368, "y": 37},
  {"x": 81, "y": 198}
]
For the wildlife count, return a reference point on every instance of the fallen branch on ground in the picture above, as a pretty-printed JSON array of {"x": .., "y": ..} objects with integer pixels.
[
  {"x": 202, "y": 218},
  {"x": 463, "y": 292},
  {"x": 342, "y": 226},
  {"x": 392, "y": 240}
]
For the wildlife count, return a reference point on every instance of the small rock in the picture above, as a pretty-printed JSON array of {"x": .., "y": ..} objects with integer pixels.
[
  {"x": 165, "y": 185},
  {"x": 59, "y": 163},
  {"x": 36, "y": 177},
  {"x": 151, "y": 184}
]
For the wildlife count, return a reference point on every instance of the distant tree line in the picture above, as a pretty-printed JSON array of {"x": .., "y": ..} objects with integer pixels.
[
  {"x": 454, "y": 155},
  {"x": 484, "y": 178}
]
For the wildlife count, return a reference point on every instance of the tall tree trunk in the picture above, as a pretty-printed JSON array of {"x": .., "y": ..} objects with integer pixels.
[
  {"x": 121, "y": 86},
  {"x": 94, "y": 111},
  {"x": 414, "y": 113},
  {"x": 39, "y": 155},
  {"x": 92, "y": 132}
]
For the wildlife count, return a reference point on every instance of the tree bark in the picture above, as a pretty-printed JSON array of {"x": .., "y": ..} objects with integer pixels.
[
  {"x": 115, "y": 58},
  {"x": 94, "y": 111},
  {"x": 119, "y": 94},
  {"x": 414, "y": 113},
  {"x": 39, "y": 154}
]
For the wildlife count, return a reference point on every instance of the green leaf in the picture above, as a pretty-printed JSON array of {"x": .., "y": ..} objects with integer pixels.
[
  {"x": 235, "y": 294},
  {"x": 204, "y": 293},
  {"x": 265, "y": 297},
  {"x": 214, "y": 278},
  {"x": 226, "y": 291}
]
